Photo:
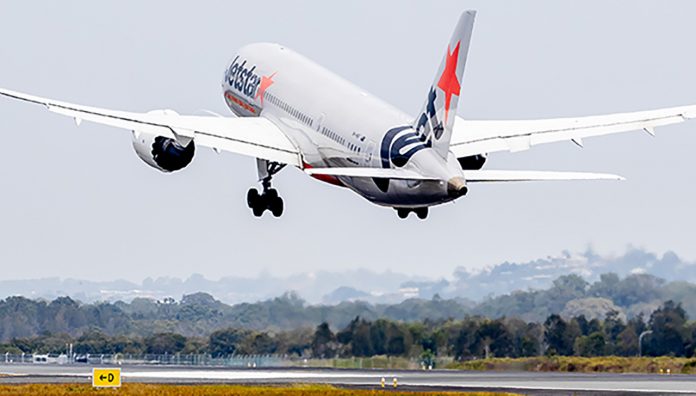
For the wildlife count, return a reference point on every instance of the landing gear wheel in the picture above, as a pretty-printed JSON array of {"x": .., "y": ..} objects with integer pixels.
[
  {"x": 403, "y": 213},
  {"x": 272, "y": 194},
  {"x": 276, "y": 206},
  {"x": 253, "y": 198},
  {"x": 258, "y": 209},
  {"x": 422, "y": 213}
]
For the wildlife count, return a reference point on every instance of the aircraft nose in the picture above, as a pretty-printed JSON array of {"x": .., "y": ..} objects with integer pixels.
[{"x": 456, "y": 187}]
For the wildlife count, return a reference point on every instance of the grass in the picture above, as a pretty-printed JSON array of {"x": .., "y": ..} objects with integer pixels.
[
  {"x": 209, "y": 390},
  {"x": 609, "y": 364}
]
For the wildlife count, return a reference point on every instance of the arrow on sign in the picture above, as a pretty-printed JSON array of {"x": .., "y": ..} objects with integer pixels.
[{"x": 109, "y": 378}]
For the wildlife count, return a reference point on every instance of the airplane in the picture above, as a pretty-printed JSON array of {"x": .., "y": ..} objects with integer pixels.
[{"x": 289, "y": 111}]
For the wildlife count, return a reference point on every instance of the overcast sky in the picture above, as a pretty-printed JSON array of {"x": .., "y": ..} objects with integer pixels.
[{"x": 77, "y": 202}]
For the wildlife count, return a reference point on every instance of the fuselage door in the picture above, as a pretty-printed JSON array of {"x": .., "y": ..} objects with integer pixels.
[
  {"x": 369, "y": 153},
  {"x": 320, "y": 121}
]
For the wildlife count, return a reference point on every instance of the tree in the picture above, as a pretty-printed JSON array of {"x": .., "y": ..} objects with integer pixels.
[
  {"x": 590, "y": 345},
  {"x": 123, "y": 344},
  {"x": 93, "y": 341},
  {"x": 378, "y": 336},
  {"x": 638, "y": 288},
  {"x": 463, "y": 347},
  {"x": 345, "y": 336},
  {"x": 670, "y": 335},
  {"x": 162, "y": 343},
  {"x": 398, "y": 340},
  {"x": 593, "y": 326},
  {"x": 559, "y": 336},
  {"x": 361, "y": 343},
  {"x": 564, "y": 289},
  {"x": 571, "y": 334},
  {"x": 257, "y": 344},
  {"x": 627, "y": 342},
  {"x": 584, "y": 324},
  {"x": 322, "y": 342},
  {"x": 613, "y": 325},
  {"x": 225, "y": 342},
  {"x": 493, "y": 339},
  {"x": 528, "y": 340},
  {"x": 195, "y": 345},
  {"x": 295, "y": 342},
  {"x": 605, "y": 287}
]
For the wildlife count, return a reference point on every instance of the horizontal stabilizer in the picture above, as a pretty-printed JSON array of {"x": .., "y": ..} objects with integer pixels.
[
  {"x": 381, "y": 173},
  {"x": 491, "y": 176}
]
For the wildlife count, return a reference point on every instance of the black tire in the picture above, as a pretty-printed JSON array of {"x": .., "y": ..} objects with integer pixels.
[
  {"x": 253, "y": 198},
  {"x": 422, "y": 213},
  {"x": 271, "y": 194},
  {"x": 277, "y": 207},
  {"x": 258, "y": 210},
  {"x": 403, "y": 213}
]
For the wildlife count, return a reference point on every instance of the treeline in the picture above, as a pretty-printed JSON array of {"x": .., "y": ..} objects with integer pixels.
[
  {"x": 199, "y": 314},
  {"x": 666, "y": 332}
]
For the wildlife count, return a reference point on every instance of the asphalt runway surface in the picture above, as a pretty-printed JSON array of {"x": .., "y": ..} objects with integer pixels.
[{"x": 518, "y": 382}]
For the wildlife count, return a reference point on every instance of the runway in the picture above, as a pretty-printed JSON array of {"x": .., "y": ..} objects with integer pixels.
[{"x": 520, "y": 382}]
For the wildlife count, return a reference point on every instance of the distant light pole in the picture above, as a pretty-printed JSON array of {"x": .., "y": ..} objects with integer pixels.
[{"x": 640, "y": 342}]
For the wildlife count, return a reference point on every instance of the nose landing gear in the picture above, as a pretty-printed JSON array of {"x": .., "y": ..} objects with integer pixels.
[
  {"x": 268, "y": 199},
  {"x": 403, "y": 213}
]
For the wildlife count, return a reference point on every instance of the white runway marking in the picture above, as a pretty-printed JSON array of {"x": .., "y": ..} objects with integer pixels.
[{"x": 241, "y": 375}]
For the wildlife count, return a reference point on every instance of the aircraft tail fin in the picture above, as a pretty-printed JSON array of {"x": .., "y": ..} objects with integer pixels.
[{"x": 437, "y": 116}]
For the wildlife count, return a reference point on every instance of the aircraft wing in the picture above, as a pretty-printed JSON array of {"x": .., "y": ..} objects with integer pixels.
[
  {"x": 482, "y": 137},
  {"x": 255, "y": 137},
  {"x": 492, "y": 176},
  {"x": 472, "y": 176},
  {"x": 400, "y": 174}
]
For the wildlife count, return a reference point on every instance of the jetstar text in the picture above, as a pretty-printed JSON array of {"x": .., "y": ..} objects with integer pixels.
[{"x": 242, "y": 78}]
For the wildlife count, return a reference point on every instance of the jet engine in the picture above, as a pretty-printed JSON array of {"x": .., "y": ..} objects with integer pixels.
[{"x": 163, "y": 153}]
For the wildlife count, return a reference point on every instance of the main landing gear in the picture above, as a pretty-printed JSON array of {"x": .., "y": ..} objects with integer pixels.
[
  {"x": 422, "y": 213},
  {"x": 268, "y": 199}
]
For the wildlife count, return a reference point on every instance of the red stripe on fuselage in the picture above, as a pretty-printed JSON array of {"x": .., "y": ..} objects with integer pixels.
[{"x": 240, "y": 103}]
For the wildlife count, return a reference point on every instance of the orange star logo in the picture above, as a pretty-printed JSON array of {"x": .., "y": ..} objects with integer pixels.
[
  {"x": 448, "y": 81},
  {"x": 263, "y": 86}
]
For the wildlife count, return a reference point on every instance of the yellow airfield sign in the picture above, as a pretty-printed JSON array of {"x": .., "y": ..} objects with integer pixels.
[{"x": 106, "y": 378}]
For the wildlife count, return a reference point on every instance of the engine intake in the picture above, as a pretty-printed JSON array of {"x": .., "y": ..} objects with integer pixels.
[
  {"x": 171, "y": 156},
  {"x": 163, "y": 153}
]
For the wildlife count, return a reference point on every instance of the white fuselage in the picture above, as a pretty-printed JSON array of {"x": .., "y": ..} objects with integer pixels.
[{"x": 335, "y": 124}]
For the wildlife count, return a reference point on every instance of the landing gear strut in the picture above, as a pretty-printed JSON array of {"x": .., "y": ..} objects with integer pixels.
[
  {"x": 403, "y": 213},
  {"x": 268, "y": 199}
]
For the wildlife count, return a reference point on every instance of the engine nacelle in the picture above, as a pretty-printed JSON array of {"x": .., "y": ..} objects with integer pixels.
[
  {"x": 474, "y": 162},
  {"x": 162, "y": 153}
]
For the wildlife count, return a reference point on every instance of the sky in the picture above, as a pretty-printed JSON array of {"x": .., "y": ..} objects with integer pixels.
[{"x": 77, "y": 202}]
